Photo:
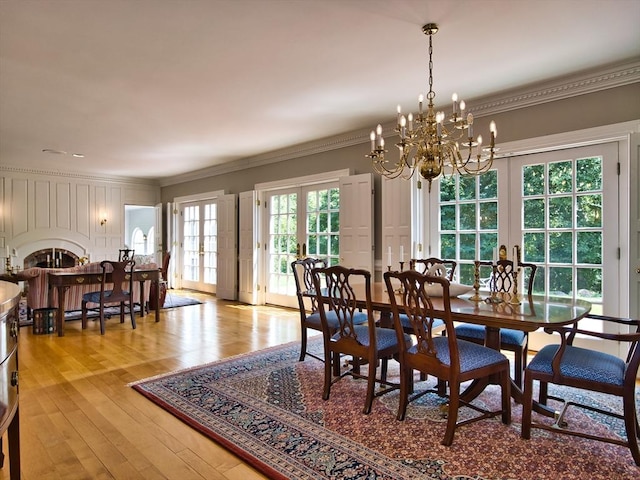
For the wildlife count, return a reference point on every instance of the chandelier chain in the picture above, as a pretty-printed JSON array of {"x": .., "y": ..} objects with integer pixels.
[{"x": 431, "y": 93}]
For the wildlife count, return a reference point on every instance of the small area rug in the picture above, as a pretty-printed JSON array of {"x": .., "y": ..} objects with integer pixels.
[
  {"x": 267, "y": 408},
  {"x": 174, "y": 301},
  {"x": 171, "y": 301}
]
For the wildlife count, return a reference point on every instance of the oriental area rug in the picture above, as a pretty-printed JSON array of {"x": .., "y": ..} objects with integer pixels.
[{"x": 267, "y": 408}]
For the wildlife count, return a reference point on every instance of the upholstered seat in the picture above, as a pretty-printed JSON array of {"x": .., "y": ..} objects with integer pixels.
[
  {"x": 587, "y": 369},
  {"x": 507, "y": 335},
  {"x": 581, "y": 363}
]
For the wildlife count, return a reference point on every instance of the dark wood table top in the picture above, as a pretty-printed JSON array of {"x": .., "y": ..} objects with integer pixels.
[{"x": 532, "y": 313}]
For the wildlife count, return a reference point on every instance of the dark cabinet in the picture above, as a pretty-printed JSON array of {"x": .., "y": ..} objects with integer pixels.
[{"x": 9, "y": 418}]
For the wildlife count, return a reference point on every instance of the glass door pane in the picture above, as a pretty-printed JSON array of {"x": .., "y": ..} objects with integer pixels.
[
  {"x": 301, "y": 222},
  {"x": 567, "y": 201},
  {"x": 199, "y": 246},
  {"x": 191, "y": 244}
]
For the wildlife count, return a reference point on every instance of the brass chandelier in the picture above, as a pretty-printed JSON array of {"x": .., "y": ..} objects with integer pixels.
[{"x": 430, "y": 142}]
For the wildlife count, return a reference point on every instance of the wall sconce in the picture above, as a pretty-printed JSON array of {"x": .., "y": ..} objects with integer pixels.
[{"x": 103, "y": 221}]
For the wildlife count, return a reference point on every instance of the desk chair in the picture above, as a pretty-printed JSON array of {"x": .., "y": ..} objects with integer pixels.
[
  {"x": 515, "y": 341},
  {"x": 121, "y": 274},
  {"x": 444, "y": 356}
]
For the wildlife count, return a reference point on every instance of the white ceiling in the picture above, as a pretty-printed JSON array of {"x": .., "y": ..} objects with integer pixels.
[{"x": 156, "y": 88}]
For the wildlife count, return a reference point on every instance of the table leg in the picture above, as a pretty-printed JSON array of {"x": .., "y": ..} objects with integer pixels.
[
  {"x": 157, "y": 300},
  {"x": 60, "y": 320},
  {"x": 386, "y": 319},
  {"x": 141, "y": 298}
]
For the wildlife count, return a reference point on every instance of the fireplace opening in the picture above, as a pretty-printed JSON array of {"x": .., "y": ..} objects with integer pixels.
[{"x": 51, "y": 258}]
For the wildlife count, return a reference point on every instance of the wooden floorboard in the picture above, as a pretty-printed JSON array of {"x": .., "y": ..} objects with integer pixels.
[{"x": 80, "y": 419}]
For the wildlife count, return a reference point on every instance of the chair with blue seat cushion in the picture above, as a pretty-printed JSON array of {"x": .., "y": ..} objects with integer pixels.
[
  {"x": 587, "y": 369},
  {"x": 516, "y": 341},
  {"x": 118, "y": 290},
  {"x": 362, "y": 341},
  {"x": 309, "y": 316},
  {"x": 444, "y": 356}
]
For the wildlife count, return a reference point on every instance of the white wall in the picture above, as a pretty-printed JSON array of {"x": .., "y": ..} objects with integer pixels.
[{"x": 48, "y": 209}]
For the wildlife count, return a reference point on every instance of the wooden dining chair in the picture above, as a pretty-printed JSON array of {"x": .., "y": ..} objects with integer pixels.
[
  {"x": 363, "y": 342},
  {"x": 125, "y": 254},
  {"x": 309, "y": 315},
  {"x": 443, "y": 356},
  {"x": 423, "y": 265},
  {"x": 120, "y": 292},
  {"x": 516, "y": 341},
  {"x": 587, "y": 369}
]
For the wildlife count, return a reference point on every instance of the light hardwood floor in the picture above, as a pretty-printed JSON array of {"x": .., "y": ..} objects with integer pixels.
[{"x": 79, "y": 419}]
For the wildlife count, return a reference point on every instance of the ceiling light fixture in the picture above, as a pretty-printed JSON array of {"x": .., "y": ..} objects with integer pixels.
[{"x": 430, "y": 143}]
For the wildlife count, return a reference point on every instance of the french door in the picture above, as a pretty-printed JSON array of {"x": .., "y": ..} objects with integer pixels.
[
  {"x": 567, "y": 200},
  {"x": 300, "y": 222},
  {"x": 557, "y": 207},
  {"x": 199, "y": 245}
]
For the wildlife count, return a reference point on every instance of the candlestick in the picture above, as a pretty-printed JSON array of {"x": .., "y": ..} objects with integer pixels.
[
  {"x": 476, "y": 282},
  {"x": 389, "y": 257},
  {"x": 401, "y": 253},
  {"x": 515, "y": 300}
]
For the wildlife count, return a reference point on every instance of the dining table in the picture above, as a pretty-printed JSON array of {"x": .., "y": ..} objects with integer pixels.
[
  {"x": 524, "y": 312},
  {"x": 62, "y": 281}
]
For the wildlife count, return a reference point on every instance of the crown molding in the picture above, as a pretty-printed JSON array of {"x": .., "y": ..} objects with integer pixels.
[
  {"x": 80, "y": 176},
  {"x": 581, "y": 83}
]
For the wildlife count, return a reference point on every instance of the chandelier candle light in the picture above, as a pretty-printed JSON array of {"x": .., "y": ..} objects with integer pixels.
[{"x": 430, "y": 142}]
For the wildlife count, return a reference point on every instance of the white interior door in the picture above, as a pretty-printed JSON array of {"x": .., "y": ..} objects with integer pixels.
[
  {"x": 396, "y": 222},
  {"x": 157, "y": 241},
  {"x": 356, "y": 222},
  {"x": 227, "y": 258},
  {"x": 248, "y": 248},
  {"x": 172, "y": 244}
]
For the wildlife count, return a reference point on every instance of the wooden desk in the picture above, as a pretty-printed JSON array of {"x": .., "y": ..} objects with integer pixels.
[
  {"x": 533, "y": 313},
  {"x": 62, "y": 281}
]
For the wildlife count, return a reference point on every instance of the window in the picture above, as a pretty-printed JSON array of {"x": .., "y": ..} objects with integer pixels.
[
  {"x": 139, "y": 242},
  {"x": 468, "y": 221},
  {"x": 556, "y": 205}
]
